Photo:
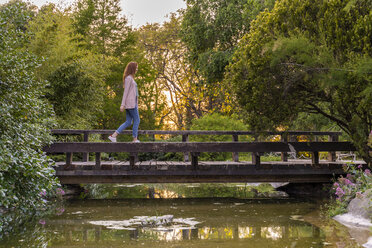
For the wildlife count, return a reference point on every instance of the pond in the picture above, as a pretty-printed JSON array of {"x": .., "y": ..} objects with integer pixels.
[{"x": 172, "y": 221}]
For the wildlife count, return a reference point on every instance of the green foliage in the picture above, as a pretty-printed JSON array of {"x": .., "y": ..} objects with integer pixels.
[
  {"x": 215, "y": 122},
  {"x": 100, "y": 26},
  {"x": 25, "y": 118},
  {"x": 75, "y": 75},
  {"x": 76, "y": 92},
  {"x": 211, "y": 29},
  {"x": 292, "y": 57}
]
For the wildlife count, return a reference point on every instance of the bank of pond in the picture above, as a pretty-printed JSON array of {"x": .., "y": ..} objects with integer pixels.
[{"x": 182, "y": 215}]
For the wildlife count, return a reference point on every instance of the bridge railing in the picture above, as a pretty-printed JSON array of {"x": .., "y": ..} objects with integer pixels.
[{"x": 287, "y": 136}]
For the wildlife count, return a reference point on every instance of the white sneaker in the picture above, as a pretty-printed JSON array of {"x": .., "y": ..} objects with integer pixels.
[
  {"x": 136, "y": 141},
  {"x": 112, "y": 138}
]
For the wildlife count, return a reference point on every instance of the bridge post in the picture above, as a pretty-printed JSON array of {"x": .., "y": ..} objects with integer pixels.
[
  {"x": 293, "y": 138},
  {"x": 315, "y": 157},
  {"x": 132, "y": 159},
  {"x": 185, "y": 138},
  {"x": 86, "y": 154},
  {"x": 235, "y": 155},
  {"x": 98, "y": 161},
  {"x": 194, "y": 159},
  {"x": 332, "y": 155},
  {"x": 256, "y": 158},
  {"x": 68, "y": 158},
  {"x": 284, "y": 138}
]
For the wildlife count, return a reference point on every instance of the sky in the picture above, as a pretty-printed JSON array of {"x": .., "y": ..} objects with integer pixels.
[{"x": 138, "y": 12}]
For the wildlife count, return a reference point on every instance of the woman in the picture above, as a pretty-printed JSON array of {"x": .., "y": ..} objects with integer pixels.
[{"x": 129, "y": 102}]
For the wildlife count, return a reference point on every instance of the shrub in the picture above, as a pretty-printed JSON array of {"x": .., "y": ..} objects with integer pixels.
[
  {"x": 25, "y": 118},
  {"x": 216, "y": 122},
  {"x": 347, "y": 188}
]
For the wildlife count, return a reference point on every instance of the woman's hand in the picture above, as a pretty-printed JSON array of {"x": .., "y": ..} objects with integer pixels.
[{"x": 122, "y": 108}]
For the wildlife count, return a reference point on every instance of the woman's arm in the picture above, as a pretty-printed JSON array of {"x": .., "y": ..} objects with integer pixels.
[{"x": 126, "y": 90}]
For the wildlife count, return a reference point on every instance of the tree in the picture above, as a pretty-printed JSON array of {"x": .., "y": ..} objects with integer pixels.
[
  {"x": 211, "y": 30},
  {"x": 25, "y": 117},
  {"x": 175, "y": 78},
  {"x": 75, "y": 74},
  {"x": 293, "y": 57},
  {"x": 100, "y": 25}
]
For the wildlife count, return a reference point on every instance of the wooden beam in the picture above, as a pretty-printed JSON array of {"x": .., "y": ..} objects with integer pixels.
[
  {"x": 64, "y": 147},
  {"x": 284, "y": 155},
  {"x": 132, "y": 159},
  {"x": 315, "y": 157},
  {"x": 256, "y": 158},
  {"x": 86, "y": 154},
  {"x": 185, "y": 138},
  {"x": 189, "y": 132},
  {"x": 194, "y": 159},
  {"x": 332, "y": 155},
  {"x": 235, "y": 155},
  {"x": 68, "y": 158},
  {"x": 98, "y": 161}
]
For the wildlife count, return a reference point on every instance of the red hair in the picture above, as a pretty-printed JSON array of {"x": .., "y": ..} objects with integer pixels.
[{"x": 130, "y": 69}]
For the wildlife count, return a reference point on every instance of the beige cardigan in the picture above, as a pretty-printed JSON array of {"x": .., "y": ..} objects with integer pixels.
[{"x": 130, "y": 99}]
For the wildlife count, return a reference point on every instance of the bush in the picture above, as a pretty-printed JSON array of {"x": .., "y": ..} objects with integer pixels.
[
  {"x": 25, "y": 118},
  {"x": 216, "y": 122},
  {"x": 347, "y": 188}
]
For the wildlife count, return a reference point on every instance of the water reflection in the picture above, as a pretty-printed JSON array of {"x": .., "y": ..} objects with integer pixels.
[
  {"x": 195, "y": 223},
  {"x": 168, "y": 191},
  {"x": 91, "y": 233}
]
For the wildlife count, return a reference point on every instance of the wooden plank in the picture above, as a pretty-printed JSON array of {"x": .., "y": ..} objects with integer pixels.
[
  {"x": 185, "y": 138},
  {"x": 68, "y": 158},
  {"x": 256, "y": 158},
  {"x": 191, "y": 132},
  {"x": 315, "y": 157},
  {"x": 132, "y": 160},
  {"x": 194, "y": 159},
  {"x": 235, "y": 172},
  {"x": 332, "y": 155},
  {"x": 197, "y": 147},
  {"x": 235, "y": 155},
  {"x": 284, "y": 155},
  {"x": 86, "y": 154},
  {"x": 98, "y": 160}
]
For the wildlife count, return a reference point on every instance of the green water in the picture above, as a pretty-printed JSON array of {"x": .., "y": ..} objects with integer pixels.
[{"x": 197, "y": 222}]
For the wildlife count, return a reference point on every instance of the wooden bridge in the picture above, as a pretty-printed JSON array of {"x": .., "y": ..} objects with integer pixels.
[{"x": 312, "y": 170}]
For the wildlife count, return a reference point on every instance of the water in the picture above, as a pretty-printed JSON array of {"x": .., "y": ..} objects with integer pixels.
[{"x": 183, "y": 222}]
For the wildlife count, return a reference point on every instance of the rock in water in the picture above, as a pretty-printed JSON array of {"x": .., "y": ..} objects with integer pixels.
[{"x": 361, "y": 207}]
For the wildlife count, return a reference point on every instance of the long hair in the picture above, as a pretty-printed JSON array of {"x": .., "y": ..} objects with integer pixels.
[{"x": 130, "y": 69}]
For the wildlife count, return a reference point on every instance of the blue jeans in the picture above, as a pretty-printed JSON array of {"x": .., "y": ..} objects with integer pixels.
[{"x": 131, "y": 115}]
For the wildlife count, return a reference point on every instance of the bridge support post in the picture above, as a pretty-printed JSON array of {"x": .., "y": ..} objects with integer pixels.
[
  {"x": 194, "y": 159},
  {"x": 256, "y": 158},
  {"x": 98, "y": 161},
  {"x": 68, "y": 158},
  {"x": 132, "y": 159},
  {"x": 235, "y": 155},
  {"x": 284, "y": 155},
  {"x": 315, "y": 157},
  {"x": 332, "y": 155},
  {"x": 185, "y": 138},
  {"x": 86, "y": 154}
]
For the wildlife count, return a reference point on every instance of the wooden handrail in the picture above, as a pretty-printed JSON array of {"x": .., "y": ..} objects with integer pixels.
[
  {"x": 257, "y": 148},
  {"x": 285, "y": 137},
  {"x": 192, "y": 132},
  {"x": 62, "y": 147}
]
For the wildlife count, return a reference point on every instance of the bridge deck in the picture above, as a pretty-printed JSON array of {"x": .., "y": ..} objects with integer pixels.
[
  {"x": 193, "y": 170},
  {"x": 183, "y": 172}
]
